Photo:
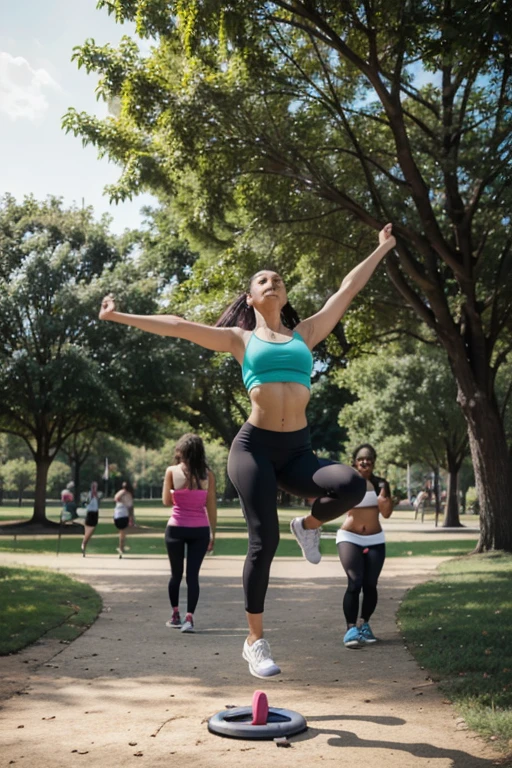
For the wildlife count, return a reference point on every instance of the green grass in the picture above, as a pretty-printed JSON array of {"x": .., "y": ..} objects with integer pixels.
[
  {"x": 149, "y": 541},
  {"x": 459, "y": 627},
  {"x": 35, "y": 602}
]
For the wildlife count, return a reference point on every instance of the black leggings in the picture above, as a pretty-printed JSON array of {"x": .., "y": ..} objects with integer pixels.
[
  {"x": 261, "y": 461},
  {"x": 197, "y": 540},
  {"x": 362, "y": 566}
]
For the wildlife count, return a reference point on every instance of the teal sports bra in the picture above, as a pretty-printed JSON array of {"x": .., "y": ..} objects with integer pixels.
[{"x": 270, "y": 361}]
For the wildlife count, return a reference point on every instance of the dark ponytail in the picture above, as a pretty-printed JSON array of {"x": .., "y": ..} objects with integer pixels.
[
  {"x": 240, "y": 314},
  {"x": 289, "y": 316},
  {"x": 190, "y": 450}
]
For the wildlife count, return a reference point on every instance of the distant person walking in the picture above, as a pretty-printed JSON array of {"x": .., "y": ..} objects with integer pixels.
[
  {"x": 419, "y": 504},
  {"x": 92, "y": 515},
  {"x": 67, "y": 498},
  {"x": 124, "y": 503},
  {"x": 189, "y": 488}
]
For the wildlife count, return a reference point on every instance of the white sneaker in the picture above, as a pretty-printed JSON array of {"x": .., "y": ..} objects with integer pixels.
[
  {"x": 307, "y": 539},
  {"x": 188, "y": 626},
  {"x": 260, "y": 660}
]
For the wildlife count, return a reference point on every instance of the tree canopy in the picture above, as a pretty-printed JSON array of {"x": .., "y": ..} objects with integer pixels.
[
  {"x": 295, "y": 128},
  {"x": 406, "y": 405},
  {"x": 62, "y": 373}
]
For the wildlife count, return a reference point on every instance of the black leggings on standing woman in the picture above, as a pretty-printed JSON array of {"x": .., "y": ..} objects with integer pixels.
[
  {"x": 362, "y": 566},
  {"x": 196, "y": 540},
  {"x": 260, "y": 462}
]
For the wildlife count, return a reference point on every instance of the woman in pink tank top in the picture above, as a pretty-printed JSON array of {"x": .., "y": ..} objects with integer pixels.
[{"x": 189, "y": 488}]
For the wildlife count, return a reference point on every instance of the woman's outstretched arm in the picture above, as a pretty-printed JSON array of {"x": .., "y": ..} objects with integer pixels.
[
  {"x": 318, "y": 326},
  {"x": 216, "y": 339}
]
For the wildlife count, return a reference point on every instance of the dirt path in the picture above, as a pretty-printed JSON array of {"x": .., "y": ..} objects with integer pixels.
[{"x": 131, "y": 691}]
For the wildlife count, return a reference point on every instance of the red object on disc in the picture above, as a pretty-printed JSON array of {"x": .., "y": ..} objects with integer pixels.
[{"x": 259, "y": 708}]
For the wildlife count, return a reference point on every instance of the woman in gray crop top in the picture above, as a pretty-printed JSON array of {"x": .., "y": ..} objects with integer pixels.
[{"x": 273, "y": 448}]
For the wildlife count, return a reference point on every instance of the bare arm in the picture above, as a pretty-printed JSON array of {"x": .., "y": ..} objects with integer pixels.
[
  {"x": 211, "y": 508},
  {"x": 167, "y": 488},
  {"x": 318, "y": 326},
  {"x": 385, "y": 501},
  {"x": 216, "y": 339}
]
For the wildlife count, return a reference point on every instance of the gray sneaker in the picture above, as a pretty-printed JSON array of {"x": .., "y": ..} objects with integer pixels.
[
  {"x": 308, "y": 540},
  {"x": 260, "y": 659}
]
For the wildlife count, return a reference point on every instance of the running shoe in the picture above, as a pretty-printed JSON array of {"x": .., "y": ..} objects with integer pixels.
[
  {"x": 188, "y": 624},
  {"x": 367, "y": 634},
  {"x": 260, "y": 659},
  {"x": 308, "y": 540},
  {"x": 353, "y": 638},
  {"x": 174, "y": 621}
]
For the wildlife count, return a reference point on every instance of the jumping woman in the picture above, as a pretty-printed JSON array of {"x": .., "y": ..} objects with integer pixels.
[{"x": 273, "y": 448}]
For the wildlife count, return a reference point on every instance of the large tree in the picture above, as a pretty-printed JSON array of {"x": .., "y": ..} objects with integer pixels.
[
  {"x": 63, "y": 373},
  {"x": 406, "y": 405},
  {"x": 330, "y": 116}
]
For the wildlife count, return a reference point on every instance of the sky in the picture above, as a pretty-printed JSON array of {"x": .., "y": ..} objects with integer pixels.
[{"x": 38, "y": 83}]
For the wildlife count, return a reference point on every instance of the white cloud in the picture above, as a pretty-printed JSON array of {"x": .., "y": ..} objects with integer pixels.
[{"x": 22, "y": 88}]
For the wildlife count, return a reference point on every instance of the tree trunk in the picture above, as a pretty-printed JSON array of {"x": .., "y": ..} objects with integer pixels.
[
  {"x": 76, "y": 480},
  {"x": 451, "y": 514},
  {"x": 42, "y": 467},
  {"x": 437, "y": 496},
  {"x": 493, "y": 471}
]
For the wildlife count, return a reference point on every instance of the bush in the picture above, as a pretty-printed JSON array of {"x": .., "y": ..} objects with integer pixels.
[{"x": 472, "y": 503}]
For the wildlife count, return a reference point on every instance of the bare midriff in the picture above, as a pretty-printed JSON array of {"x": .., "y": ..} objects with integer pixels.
[
  {"x": 279, "y": 406},
  {"x": 362, "y": 520}
]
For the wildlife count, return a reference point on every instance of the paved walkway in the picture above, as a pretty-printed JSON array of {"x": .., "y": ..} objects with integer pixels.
[{"x": 131, "y": 691}]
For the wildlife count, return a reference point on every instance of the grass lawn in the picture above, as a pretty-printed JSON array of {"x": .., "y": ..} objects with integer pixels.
[
  {"x": 459, "y": 627},
  {"x": 104, "y": 542},
  {"x": 35, "y": 602},
  {"x": 147, "y": 539}
]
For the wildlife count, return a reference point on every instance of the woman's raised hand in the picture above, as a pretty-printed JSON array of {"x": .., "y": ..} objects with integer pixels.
[
  {"x": 386, "y": 237},
  {"x": 108, "y": 306}
]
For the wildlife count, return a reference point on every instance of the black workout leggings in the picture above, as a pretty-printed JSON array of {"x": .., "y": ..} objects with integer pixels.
[
  {"x": 197, "y": 540},
  {"x": 260, "y": 462},
  {"x": 362, "y": 566}
]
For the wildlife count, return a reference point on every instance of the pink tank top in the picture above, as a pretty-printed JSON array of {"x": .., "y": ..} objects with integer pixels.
[{"x": 189, "y": 508}]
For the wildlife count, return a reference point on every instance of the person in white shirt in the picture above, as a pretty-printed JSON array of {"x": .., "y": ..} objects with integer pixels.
[
  {"x": 124, "y": 504},
  {"x": 91, "y": 518}
]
